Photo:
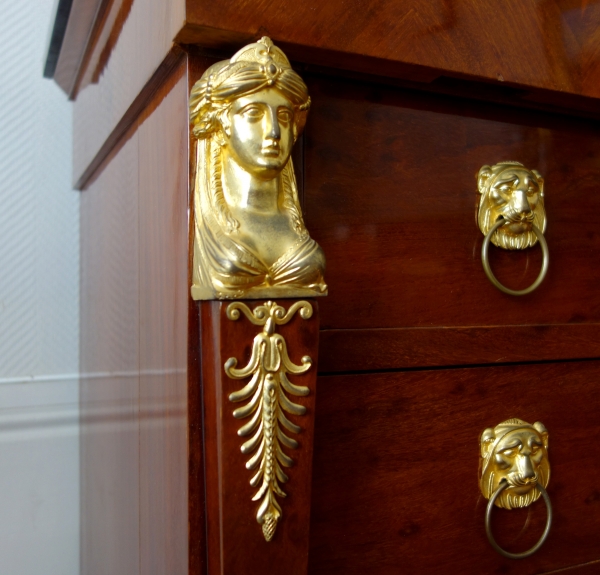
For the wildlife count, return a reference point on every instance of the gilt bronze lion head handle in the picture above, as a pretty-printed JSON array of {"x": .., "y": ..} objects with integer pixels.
[
  {"x": 511, "y": 214},
  {"x": 514, "y": 472}
]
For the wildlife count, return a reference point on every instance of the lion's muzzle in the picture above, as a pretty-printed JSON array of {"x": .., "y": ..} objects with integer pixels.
[{"x": 524, "y": 475}]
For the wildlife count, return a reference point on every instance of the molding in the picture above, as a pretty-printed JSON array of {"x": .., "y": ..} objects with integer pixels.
[{"x": 51, "y": 378}]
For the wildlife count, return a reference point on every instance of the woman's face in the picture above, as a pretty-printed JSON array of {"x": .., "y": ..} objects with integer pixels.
[{"x": 260, "y": 134}]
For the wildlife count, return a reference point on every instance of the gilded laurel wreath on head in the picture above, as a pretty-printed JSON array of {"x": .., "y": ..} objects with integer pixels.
[{"x": 250, "y": 237}]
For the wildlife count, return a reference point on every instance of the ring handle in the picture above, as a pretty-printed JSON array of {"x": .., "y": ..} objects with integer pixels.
[
  {"x": 488, "y": 270},
  {"x": 488, "y": 529}
]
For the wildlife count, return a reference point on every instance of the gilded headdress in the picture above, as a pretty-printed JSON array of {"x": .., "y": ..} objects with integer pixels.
[{"x": 253, "y": 68}]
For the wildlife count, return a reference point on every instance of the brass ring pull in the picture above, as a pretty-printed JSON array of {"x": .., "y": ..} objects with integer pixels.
[
  {"x": 488, "y": 529},
  {"x": 488, "y": 270}
]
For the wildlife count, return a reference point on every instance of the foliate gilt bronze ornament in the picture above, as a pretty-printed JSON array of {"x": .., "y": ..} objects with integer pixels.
[
  {"x": 269, "y": 367},
  {"x": 250, "y": 239},
  {"x": 511, "y": 214},
  {"x": 514, "y": 472}
]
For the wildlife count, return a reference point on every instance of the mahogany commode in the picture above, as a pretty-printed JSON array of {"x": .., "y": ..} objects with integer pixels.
[{"x": 417, "y": 351}]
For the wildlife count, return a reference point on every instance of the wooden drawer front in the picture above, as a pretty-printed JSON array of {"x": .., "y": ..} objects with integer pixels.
[
  {"x": 390, "y": 192},
  {"x": 395, "y": 474}
]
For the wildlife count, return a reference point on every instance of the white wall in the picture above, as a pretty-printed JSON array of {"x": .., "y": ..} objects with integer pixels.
[{"x": 39, "y": 306}]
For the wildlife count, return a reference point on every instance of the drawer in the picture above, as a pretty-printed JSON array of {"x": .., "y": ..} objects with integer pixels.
[
  {"x": 390, "y": 192},
  {"x": 395, "y": 472}
]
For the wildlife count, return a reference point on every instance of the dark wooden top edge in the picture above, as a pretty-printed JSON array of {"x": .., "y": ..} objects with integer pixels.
[
  {"x": 219, "y": 44},
  {"x": 63, "y": 11},
  {"x": 210, "y": 41},
  {"x": 85, "y": 18}
]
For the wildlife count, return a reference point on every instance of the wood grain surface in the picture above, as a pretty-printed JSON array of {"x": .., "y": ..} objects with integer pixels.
[
  {"x": 163, "y": 265},
  {"x": 555, "y": 63},
  {"x": 395, "y": 480},
  {"x": 235, "y": 541},
  {"x": 388, "y": 186},
  {"x": 109, "y": 362},
  {"x": 550, "y": 45},
  {"x": 416, "y": 39}
]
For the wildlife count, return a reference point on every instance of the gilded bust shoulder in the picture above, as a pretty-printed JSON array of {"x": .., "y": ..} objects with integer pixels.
[{"x": 250, "y": 240}]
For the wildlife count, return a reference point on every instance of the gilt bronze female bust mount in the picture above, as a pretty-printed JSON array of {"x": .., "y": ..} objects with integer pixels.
[{"x": 250, "y": 239}]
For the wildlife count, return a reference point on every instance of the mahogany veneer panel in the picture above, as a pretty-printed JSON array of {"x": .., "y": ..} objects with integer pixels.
[
  {"x": 390, "y": 192},
  {"x": 395, "y": 475},
  {"x": 163, "y": 264},
  {"x": 235, "y": 540},
  {"x": 109, "y": 359},
  {"x": 134, "y": 341}
]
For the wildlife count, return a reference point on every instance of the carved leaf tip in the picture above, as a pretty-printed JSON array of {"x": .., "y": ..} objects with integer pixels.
[{"x": 269, "y": 527}]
